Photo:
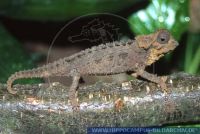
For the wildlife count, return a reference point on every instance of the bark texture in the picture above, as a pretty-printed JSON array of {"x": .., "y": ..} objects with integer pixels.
[{"x": 45, "y": 108}]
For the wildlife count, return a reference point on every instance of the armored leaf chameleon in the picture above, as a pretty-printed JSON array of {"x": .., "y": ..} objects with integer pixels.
[{"x": 107, "y": 59}]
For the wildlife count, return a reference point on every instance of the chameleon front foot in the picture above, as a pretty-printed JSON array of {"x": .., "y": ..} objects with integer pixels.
[
  {"x": 153, "y": 78},
  {"x": 163, "y": 85}
]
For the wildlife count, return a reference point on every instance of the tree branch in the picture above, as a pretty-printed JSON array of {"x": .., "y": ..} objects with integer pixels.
[{"x": 46, "y": 108}]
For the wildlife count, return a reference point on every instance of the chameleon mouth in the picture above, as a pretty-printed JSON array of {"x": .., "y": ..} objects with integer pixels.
[{"x": 173, "y": 45}]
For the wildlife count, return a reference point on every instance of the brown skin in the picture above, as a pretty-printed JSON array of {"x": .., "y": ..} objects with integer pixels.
[{"x": 111, "y": 58}]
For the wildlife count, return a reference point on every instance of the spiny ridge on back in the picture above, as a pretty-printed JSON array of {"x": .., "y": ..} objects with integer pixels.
[{"x": 98, "y": 48}]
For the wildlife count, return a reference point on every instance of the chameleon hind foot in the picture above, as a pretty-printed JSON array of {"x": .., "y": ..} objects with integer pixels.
[
  {"x": 72, "y": 93},
  {"x": 75, "y": 105}
]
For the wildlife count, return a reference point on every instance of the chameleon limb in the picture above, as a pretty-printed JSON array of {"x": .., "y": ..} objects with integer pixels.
[
  {"x": 72, "y": 93},
  {"x": 155, "y": 79}
]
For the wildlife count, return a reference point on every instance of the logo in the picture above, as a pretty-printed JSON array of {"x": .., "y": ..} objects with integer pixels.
[{"x": 97, "y": 31}]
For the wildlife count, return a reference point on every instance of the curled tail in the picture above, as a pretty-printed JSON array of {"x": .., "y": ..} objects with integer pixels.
[{"x": 35, "y": 73}]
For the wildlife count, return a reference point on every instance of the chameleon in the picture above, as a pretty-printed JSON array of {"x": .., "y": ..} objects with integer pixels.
[{"x": 107, "y": 59}]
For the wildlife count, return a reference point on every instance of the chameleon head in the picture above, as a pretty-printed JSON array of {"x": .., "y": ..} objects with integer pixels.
[{"x": 156, "y": 44}]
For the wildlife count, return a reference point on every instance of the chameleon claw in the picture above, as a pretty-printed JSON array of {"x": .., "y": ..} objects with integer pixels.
[
  {"x": 75, "y": 105},
  {"x": 76, "y": 108},
  {"x": 164, "y": 78}
]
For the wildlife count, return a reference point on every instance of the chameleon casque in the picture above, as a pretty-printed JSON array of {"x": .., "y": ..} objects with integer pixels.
[{"x": 107, "y": 59}]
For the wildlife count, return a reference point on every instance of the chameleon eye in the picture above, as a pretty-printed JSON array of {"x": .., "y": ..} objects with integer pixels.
[{"x": 163, "y": 37}]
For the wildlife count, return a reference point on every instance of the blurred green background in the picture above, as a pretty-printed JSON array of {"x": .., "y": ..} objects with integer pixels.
[{"x": 40, "y": 20}]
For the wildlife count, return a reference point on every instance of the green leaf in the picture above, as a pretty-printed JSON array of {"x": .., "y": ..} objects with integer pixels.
[
  {"x": 169, "y": 14},
  {"x": 192, "y": 54}
]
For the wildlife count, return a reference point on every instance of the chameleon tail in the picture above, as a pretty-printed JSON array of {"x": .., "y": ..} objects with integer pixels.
[
  {"x": 9, "y": 84},
  {"x": 36, "y": 73}
]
